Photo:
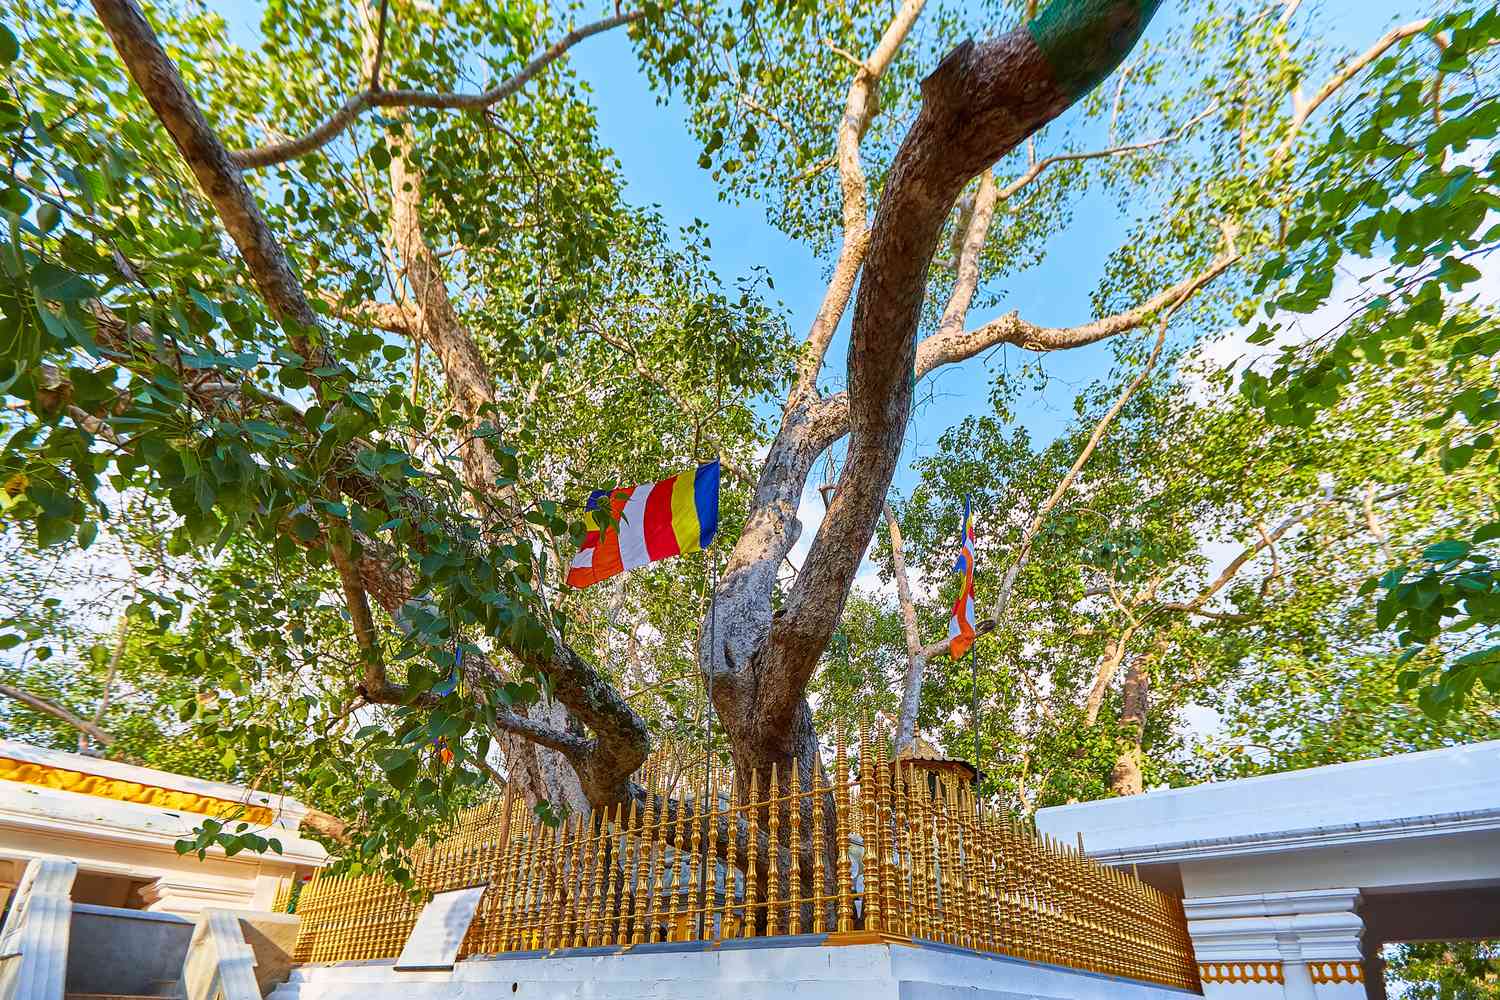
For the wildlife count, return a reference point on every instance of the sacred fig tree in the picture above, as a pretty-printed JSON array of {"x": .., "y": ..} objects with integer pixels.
[{"x": 370, "y": 334}]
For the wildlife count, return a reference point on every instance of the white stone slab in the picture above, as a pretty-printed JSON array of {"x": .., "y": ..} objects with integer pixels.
[{"x": 440, "y": 930}]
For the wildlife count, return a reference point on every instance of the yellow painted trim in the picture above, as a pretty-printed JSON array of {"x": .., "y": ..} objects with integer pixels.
[
  {"x": 1336, "y": 972},
  {"x": 100, "y": 786},
  {"x": 1241, "y": 972}
]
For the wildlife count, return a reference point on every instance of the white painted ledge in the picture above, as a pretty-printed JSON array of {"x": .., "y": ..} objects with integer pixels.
[
  {"x": 1455, "y": 790},
  {"x": 805, "y": 969},
  {"x": 289, "y": 812}
]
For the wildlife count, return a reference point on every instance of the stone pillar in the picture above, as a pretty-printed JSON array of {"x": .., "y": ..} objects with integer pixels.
[
  {"x": 1279, "y": 945},
  {"x": 34, "y": 940}
]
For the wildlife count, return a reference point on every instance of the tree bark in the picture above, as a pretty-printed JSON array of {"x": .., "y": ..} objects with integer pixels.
[
  {"x": 981, "y": 101},
  {"x": 1126, "y": 778}
]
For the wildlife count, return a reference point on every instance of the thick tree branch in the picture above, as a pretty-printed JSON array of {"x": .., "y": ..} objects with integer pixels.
[
  {"x": 980, "y": 102},
  {"x": 860, "y": 107},
  {"x": 392, "y": 317},
  {"x": 216, "y": 172},
  {"x": 948, "y": 347},
  {"x": 373, "y": 97}
]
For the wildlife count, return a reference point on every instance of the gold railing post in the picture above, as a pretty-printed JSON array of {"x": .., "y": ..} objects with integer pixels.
[
  {"x": 642, "y": 866},
  {"x": 727, "y": 928},
  {"x": 656, "y": 862},
  {"x": 869, "y": 821},
  {"x": 794, "y": 839},
  {"x": 773, "y": 854},
  {"x": 707, "y": 896},
  {"x": 820, "y": 892},
  {"x": 845, "y": 874},
  {"x": 752, "y": 847},
  {"x": 682, "y": 854}
]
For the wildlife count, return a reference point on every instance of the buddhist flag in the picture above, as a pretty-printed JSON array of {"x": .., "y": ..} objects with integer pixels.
[
  {"x": 652, "y": 521},
  {"x": 961, "y": 625}
]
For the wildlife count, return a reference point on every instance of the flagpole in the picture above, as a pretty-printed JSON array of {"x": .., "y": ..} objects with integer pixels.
[
  {"x": 974, "y": 710},
  {"x": 708, "y": 739}
]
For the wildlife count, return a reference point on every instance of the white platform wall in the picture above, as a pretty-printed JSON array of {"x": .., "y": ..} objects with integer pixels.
[{"x": 811, "y": 971}]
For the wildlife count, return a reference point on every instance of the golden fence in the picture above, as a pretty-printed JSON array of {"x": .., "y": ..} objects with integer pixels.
[{"x": 887, "y": 852}]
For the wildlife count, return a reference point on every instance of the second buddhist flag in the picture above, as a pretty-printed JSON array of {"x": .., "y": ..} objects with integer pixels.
[{"x": 651, "y": 521}]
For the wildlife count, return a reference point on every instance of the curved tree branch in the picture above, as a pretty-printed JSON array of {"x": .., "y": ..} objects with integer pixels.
[
  {"x": 860, "y": 107},
  {"x": 1347, "y": 72},
  {"x": 48, "y": 707},
  {"x": 981, "y": 101},
  {"x": 373, "y": 97}
]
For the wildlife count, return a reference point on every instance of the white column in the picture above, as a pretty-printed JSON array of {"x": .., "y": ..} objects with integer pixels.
[
  {"x": 34, "y": 940},
  {"x": 219, "y": 964},
  {"x": 1279, "y": 945}
]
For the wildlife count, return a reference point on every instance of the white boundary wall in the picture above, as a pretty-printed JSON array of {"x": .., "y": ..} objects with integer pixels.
[{"x": 804, "y": 969}]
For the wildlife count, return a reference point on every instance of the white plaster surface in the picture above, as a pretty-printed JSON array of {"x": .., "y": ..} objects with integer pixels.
[
  {"x": 127, "y": 839},
  {"x": 219, "y": 964},
  {"x": 813, "y": 972},
  {"x": 1436, "y": 793},
  {"x": 34, "y": 940},
  {"x": 289, "y": 812},
  {"x": 439, "y": 932}
]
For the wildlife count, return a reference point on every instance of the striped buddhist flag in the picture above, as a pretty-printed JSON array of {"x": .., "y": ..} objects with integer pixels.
[
  {"x": 652, "y": 521},
  {"x": 961, "y": 625}
]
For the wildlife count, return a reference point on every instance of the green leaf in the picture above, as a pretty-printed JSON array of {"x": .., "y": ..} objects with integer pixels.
[
  {"x": 10, "y": 48},
  {"x": 1446, "y": 551}
]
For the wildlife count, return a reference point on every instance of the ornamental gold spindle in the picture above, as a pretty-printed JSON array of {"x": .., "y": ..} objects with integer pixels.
[
  {"x": 511, "y": 884},
  {"x": 883, "y": 847},
  {"x": 907, "y": 803},
  {"x": 548, "y": 888},
  {"x": 624, "y": 893},
  {"x": 689, "y": 870},
  {"x": 682, "y": 857},
  {"x": 583, "y": 906},
  {"x": 710, "y": 860},
  {"x": 952, "y": 890},
  {"x": 597, "y": 899},
  {"x": 773, "y": 855},
  {"x": 901, "y": 844},
  {"x": 844, "y": 876},
  {"x": 610, "y": 932},
  {"x": 869, "y": 829},
  {"x": 968, "y": 866},
  {"x": 657, "y": 856},
  {"x": 820, "y": 892},
  {"x": 532, "y": 909},
  {"x": 794, "y": 839},
  {"x": 752, "y": 844},
  {"x": 577, "y": 885},
  {"x": 732, "y": 859},
  {"x": 1000, "y": 938}
]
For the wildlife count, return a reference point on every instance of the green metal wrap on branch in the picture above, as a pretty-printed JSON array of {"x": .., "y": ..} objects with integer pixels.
[{"x": 1084, "y": 40}]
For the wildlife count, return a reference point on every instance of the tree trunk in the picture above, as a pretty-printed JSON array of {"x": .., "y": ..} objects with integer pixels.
[
  {"x": 982, "y": 101},
  {"x": 1126, "y": 778}
]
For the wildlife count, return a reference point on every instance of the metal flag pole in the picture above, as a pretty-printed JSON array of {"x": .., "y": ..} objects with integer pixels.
[
  {"x": 711, "y": 556},
  {"x": 974, "y": 715}
]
